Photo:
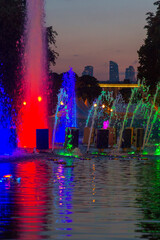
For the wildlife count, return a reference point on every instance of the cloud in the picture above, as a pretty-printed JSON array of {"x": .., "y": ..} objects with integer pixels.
[{"x": 76, "y": 55}]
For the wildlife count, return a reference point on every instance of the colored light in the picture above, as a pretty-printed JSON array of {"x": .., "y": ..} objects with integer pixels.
[
  {"x": 39, "y": 99},
  {"x": 61, "y": 103},
  {"x": 5, "y": 122},
  {"x": 105, "y": 124},
  {"x": 34, "y": 115},
  {"x": 95, "y": 105},
  {"x": 68, "y": 114},
  {"x": 24, "y": 103},
  {"x": 7, "y": 176},
  {"x": 103, "y": 106},
  {"x": 6, "y": 147}
]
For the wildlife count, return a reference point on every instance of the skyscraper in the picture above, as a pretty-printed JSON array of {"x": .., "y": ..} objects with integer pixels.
[
  {"x": 88, "y": 70},
  {"x": 113, "y": 72},
  {"x": 130, "y": 74}
]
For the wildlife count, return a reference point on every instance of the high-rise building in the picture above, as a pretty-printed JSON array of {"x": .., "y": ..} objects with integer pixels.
[
  {"x": 130, "y": 74},
  {"x": 88, "y": 70},
  {"x": 113, "y": 72}
]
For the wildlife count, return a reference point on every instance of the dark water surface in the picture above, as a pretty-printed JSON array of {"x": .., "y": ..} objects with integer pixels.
[{"x": 100, "y": 198}]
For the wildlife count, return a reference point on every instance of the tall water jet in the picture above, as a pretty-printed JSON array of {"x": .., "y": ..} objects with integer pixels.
[
  {"x": 34, "y": 108},
  {"x": 69, "y": 79},
  {"x": 99, "y": 113},
  {"x": 125, "y": 117},
  {"x": 68, "y": 116},
  {"x": 62, "y": 98},
  {"x": 149, "y": 118}
]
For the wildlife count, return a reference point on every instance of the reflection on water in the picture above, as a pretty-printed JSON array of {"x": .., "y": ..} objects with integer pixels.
[
  {"x": 148, "y": 200},
  {"x": 31, "y": 200},
  {"x": 97, "y": 199},
  {"x": 62, "y": 193}
]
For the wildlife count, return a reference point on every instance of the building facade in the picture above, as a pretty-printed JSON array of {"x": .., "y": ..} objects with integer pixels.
[
  {"x": 113, "y": 72},
  {"x": 88, "y": 70},
  {"x": 130, "y": 74}
]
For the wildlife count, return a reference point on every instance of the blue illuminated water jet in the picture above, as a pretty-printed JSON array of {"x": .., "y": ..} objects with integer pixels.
[
  {"x": 69, "y": 86},
  {"x": 67, "y": 115},
  {"x": 7, "y": 134}
]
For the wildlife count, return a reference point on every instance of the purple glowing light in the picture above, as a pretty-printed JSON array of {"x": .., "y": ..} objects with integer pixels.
[{"x": 105, "y": 124}]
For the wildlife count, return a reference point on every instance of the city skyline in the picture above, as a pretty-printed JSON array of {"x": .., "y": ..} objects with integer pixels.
[
  {"x": 130, "y": 74},
  {"x": 93, "y": 33},
  {"x": 113, "y": 72},
  {"x": 88, "y": 70}
]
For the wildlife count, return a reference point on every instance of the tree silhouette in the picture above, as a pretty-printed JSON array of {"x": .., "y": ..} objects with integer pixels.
[
  {"x": 87, "y": 87},
  {"x": 149, "y": 52}
]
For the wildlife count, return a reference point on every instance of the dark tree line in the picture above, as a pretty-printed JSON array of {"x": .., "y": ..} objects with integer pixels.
[
  {"x": 51, "y": 44},
  {"x": 86, "y": 87},
  {"x": 12, "y": 15},
  {"x": 149, "y": 52}
]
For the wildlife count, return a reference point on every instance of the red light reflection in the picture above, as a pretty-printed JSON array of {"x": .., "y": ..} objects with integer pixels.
[{"x": 31, "y": 201}]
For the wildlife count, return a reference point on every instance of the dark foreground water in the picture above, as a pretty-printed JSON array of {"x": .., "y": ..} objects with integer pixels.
[{"x": 100, "y": 198}]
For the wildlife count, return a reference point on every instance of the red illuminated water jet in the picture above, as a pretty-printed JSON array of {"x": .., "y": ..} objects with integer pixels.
[{"x": 33, "y": 113}]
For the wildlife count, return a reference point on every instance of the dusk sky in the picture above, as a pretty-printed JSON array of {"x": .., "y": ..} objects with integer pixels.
[{"x": 93, "y": 32}]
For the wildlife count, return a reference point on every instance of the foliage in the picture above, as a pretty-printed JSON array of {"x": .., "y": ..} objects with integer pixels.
[
  {"x": 51, "y": 43},
  {"x": 12, "y": 15},
  {"x": 149, "y": 52},
  {"x": 87, "y": 87}
]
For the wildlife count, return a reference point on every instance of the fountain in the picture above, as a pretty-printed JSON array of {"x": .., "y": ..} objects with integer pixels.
[
  {"x": 65, "y": 116},
  {"x": 7, "y": 130},
  {"x": 98, "y": 111},
  {"x": 69, "y": 86},
  {"x": 149, "y": 118},
  {"x": 62, "y": 98},
  {"x": 144, "y": 117},
  {"x": 33, "y": 114},
  {"x": 139, "y": 118},
  {"x": 104, "y": 98},
  {"x": 125, "y": 117}
]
